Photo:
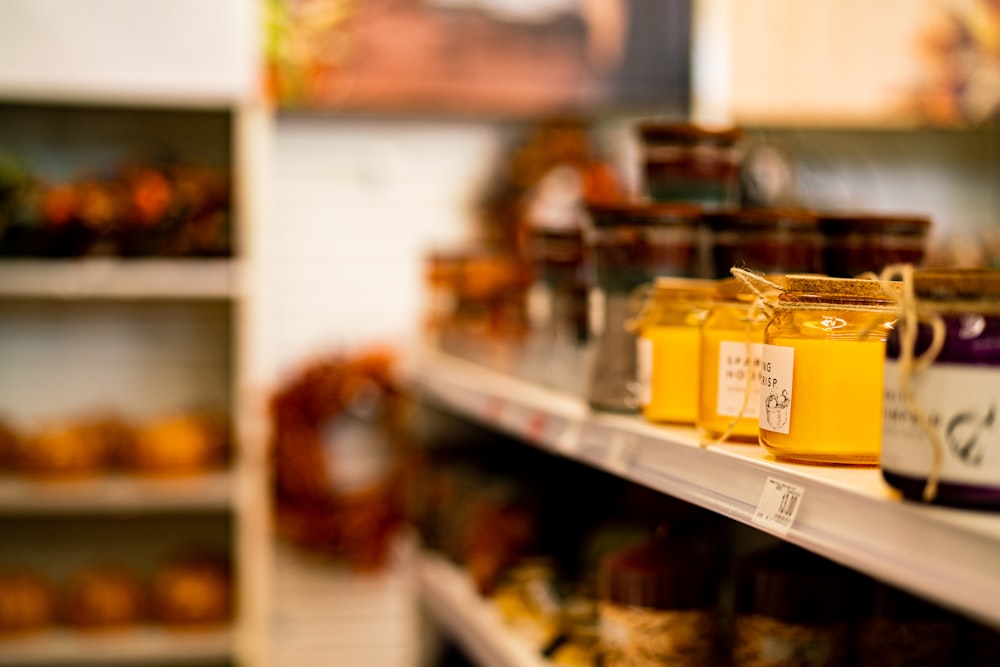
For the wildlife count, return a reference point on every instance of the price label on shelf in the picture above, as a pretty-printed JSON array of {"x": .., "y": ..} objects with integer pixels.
[{"x": 779, "y": 503}]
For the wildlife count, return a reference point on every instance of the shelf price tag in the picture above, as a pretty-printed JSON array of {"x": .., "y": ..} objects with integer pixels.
[{"x": 779, "y": 503}]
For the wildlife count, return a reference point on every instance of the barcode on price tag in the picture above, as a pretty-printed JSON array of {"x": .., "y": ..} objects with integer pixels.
[{"x": 779, "y": 503}]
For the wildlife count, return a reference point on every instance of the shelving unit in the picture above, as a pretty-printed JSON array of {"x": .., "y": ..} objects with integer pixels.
[
  {"x": 453, "y": 601},
  {"x": 846, "y": 514},
  {"x": 123, "y": 647}
]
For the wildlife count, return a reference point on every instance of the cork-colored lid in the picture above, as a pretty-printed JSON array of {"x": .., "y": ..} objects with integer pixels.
[
  {"x": 733, "y": 289},
  {"x": 848, "y": 288},
  {"x": 963, "y": 284},
  {"x": 681, "y": 288}
]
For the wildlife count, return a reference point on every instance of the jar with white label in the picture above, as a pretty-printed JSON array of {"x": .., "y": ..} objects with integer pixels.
[
  {"x": 668, "y": 348},
  {"x": 821, "y": 369},
  {"x": 959, "y": 393},
  {"x": 731, "y": 340}
]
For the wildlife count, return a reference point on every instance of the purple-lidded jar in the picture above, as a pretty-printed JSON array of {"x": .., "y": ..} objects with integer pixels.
[
  {"x": 959, "y": 393},
  {"x": 856, "y": 243}
]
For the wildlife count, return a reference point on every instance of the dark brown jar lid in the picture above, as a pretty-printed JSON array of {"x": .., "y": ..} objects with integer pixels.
[
  {"x": 652, "y": 576},
  {"x": 792, "y": 585},
  {"x": 762, "y": 220},
  {"x": 665, "y": 132},
  {"x": 833, "y": 224},
  {"x": 641, "y": 213}
]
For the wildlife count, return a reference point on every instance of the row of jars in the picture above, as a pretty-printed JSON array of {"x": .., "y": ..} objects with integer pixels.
[{"x": 902, "y": 374}]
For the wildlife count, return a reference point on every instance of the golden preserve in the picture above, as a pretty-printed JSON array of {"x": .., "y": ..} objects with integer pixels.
[
  {"x": 668, "y": 348},
  {"x": 821, "y": 371},
  {"x": 731, "y": 340}
]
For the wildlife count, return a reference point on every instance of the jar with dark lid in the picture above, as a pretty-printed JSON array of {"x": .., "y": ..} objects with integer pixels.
[
  {"x": 959, "y": 392},
  {"x": 631, "y": 243},
  {"x": 901, "y": 629},
  {"x": 764, "y": 240},
  {"x": 793, "y": 609},
  {"x": 657, "y": 607},
  {"x": 689, "y": 163},
  {"x": 856, "y": 243}
]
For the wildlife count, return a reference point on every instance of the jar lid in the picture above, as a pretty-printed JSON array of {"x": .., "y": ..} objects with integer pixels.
[
  {"x": 663, "y": 132},
  {"x": 762, "y": 220},
  {"x": 732, "y": 289},
  {"x": 873, "y": 223},
  {"x": 943, "y": 284},
  {"x": 669, "y": 287},
  {"x": 652, "y": 576},
  {"x": 793, "y": 585},
  {"x": 854, "y": 288},
  {"x": 643, "y": 213}
]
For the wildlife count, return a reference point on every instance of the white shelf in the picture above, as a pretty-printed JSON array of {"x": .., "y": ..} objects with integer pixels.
[
  {"x": 846, "y": 514},
  {"x": 112, "y": 278},
  {"x": 67, "y": 648},
  {"x": 115, "y": 493},
  {"x": 456, "y": 605}
]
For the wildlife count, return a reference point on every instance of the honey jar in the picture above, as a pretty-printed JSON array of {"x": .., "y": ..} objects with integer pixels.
[
  {"x": 731, "y": 340},
  {"x": 821, "y": 369},
  {"x": 668, "y": 348},
  {"x": 958, "y": 394}
]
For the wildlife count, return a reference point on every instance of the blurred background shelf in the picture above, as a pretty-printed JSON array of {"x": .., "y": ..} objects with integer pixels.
[
  {"x": 141, "y": 646},
  {"x": 846, "y": 514},
  {"x": 103, "y": 278},
  {"x": 454, "y": 603},
  {"x": 116, "y": 493}
]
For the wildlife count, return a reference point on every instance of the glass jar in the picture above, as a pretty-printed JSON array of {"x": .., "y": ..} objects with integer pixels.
[
  {"x": 821, "y": 369},
  {"x": 793, "y": 609},
  {"x": 959, "y": 392},
  {"x": 856, "y": 243},
  {"x": 688, "y": 163},
  {"x": 631, "y": 244},
  {"x": 657, "y": 608},
  {"x": 668, "y": 348},
  {"x": 764, "y": 240},
  {"x": 731, "y": 340}
]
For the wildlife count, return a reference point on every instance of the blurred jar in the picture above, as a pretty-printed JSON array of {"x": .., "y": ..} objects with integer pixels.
[
  {"x": 657, "y": 608},
  {"x": 731, "y": 341},
  {"x": 764, "y": 240},
  {"x": 900, "y": 629},
  {"x": 442, "y": 271},
  {"x": 856, "y": 243},
  {"x": 957, "y": 391},
  {"x": 631, "y": 244},
  {"x": 687, "y": 163},
  {"x": 821, "y": 370},
  {"x": 669, "y": 348},
  {"x": 793, "y": 609}
]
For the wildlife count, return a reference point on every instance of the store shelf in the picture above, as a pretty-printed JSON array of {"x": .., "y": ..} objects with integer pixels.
[
  {"x": 115, "y": 493},
  {"x": 126, "y": 647},
  {"x": 110, "y": 278},
  {"x": 847, "y": 514},
  {"x": 459, "y": 609}
]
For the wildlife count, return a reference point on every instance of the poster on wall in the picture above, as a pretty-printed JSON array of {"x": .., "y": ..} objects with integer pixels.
[{"x": 493, "y": 57}]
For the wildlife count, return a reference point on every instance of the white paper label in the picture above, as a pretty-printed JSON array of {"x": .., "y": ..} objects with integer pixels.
[
  {"x": 779, "y": 503},
  {"x": 644, "y": 369},
  {"x": 734, "y": 367},
  {"x": 963, "y": 403},
  {"x": 777, "y": 365}
]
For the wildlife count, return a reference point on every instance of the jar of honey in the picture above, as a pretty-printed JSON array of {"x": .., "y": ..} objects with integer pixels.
[
  {"x": 631, "y": 243},
  {"x": 731, "y": 340},
  {"x": 821, "y": 369},
  {"x": 959, "y": 393},
  {"x": 689, "y": 163},
  {"x": 856, "y": 243},
  {"x": 765, "y": 240},
  {"x": 668, "y": 348}
]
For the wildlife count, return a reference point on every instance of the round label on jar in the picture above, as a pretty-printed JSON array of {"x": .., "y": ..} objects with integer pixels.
[
  {"x": 963, "y": 404},
  {"x": 776, "y": 369}
]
